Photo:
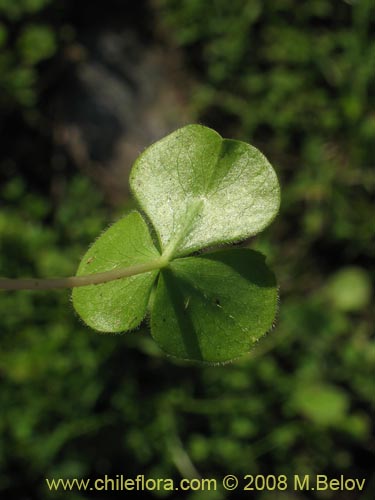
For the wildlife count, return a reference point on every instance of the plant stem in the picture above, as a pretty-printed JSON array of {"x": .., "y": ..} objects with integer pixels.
[{"x": 76, "y": 281}]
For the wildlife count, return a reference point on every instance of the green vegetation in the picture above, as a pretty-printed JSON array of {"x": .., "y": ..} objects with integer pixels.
[
  {"x": 295, "y": 80},
  {"x": 198, "y": 190},
  {"x": 24, "y": 43}
]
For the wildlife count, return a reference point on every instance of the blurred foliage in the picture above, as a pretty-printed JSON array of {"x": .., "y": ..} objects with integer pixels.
[
  {"x": 293, "y": 78},
  {"x": 308, "y": 68},
  {"x": 24, "y": 44}
]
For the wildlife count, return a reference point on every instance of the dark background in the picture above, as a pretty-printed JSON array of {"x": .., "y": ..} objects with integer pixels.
[{"x": 84, "y": 88}]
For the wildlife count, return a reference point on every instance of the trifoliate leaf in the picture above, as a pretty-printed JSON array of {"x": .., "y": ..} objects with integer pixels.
[
  {"x": 199, "y": 189},
  {"x": 121, "y": 304},
  {"x": 214, "y": 307}
]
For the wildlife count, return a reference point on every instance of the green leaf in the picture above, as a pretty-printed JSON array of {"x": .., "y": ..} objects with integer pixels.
[
  {"x": 121, "y": 304},
  {"x": 201, "y": 190},
  {"x": 198, "y": 190},
  {"x": 214, "y": 307}
]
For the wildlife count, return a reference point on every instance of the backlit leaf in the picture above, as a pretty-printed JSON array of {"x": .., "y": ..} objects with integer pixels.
[{"x": 200, "y": 190}]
